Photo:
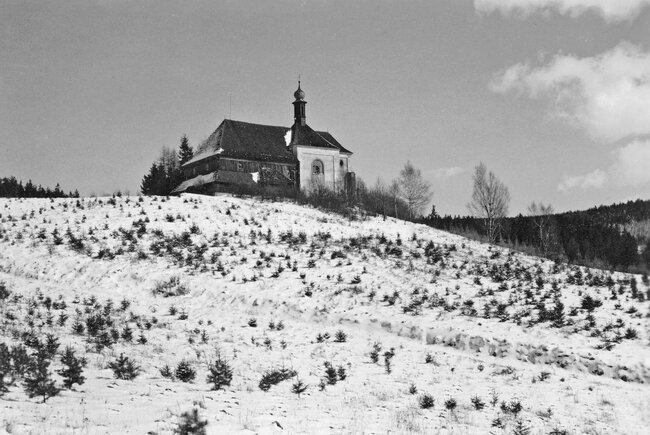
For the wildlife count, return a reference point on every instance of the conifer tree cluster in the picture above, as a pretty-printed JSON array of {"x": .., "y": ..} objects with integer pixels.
[{"x": 165, "y": 173}]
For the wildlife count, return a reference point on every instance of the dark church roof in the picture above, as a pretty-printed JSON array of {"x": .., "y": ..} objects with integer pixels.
[
  {"x": 243, "y": 140},
  {"x": 268, "y": 143},
  {"x": 306, "y": 136}
]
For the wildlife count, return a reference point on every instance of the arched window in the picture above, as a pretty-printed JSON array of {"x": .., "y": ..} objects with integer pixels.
[{"x": 317, "y": 168}]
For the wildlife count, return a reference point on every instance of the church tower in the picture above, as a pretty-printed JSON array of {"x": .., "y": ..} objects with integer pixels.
[{"x": 299, "y": 115}]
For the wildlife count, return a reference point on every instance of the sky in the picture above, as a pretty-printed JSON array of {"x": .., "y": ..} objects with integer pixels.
[{"x": 552, "y": 95}]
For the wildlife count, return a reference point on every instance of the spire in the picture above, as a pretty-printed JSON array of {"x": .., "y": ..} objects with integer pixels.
[{"x": 299, "y": 114}]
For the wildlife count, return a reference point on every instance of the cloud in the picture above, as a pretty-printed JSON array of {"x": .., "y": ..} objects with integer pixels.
[
  {"x": 609, "y": 10},
  {"x": 595, "y": 179},
  {"x": 444, "y": 173},
  {"x": 631, "y": 167},
  {"x": 607, "y": 95}
]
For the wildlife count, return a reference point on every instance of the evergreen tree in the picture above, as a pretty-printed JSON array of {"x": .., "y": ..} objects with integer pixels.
[
  {"x": 219, "y": 374},
  {"x": 72, "y": 368},
  {"x": 557, "y": 315},
  {"x": 5, "y": 366},
  {"x": 147, "y": 187},
  {"x": 164, "y": 174},
  {"x": 124, "y": 368},
  {"x": 185, "y": 151},
  {"x": 37, "y": 378},
  {"x": 299, "y": 387}
]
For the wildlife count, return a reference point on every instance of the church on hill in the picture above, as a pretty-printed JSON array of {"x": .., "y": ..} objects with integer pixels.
[{"x": 247, "y": 156}]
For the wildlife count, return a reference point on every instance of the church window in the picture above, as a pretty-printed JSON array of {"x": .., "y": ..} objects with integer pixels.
[
  {"x": 317, "y": 167},
  {"x": 341, "y": 163}
]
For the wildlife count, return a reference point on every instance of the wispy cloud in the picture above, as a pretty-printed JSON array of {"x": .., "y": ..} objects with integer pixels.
[
  {"x": 444, "y": 173},
  {"x": 607, "y": 95},
  {"x": 631, "y": 167},
  {"x": 609, "y": 10},
  {"x": 595, "y": 179}
]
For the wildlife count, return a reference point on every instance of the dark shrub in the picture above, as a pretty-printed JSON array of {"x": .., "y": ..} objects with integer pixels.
[
  {"x": 426, "y": 401},
  {"x": 171, "y": 287},
  {"x": 450, "y": 404},
  {"x": 274, "y": 377}
]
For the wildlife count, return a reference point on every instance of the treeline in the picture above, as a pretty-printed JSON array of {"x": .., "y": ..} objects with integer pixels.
[
  {"x": 621, "y": 213},
  {"x": 404, "y": 197},
  {"x": 10, "y": 187},
  {"x": 594, "y": 237}
]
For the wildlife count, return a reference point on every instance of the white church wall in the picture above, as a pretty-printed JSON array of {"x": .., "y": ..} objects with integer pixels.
[{"x": 333, "y": 174}]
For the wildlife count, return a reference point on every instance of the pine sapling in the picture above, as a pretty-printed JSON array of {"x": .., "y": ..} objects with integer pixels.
[
  {"x": 219, "y": 374},
  {"x": 374, "y": 353},
  {"x": 478, "y": 403},
  {"x": 340, "y": 336},
  {"x": 166, "y": 372},
  {"x": 450, "y": 404},
  {"x": 426, "y": 401},
  {"x": 185, "y": 372},
  {"x": 388, "y": 356},
  {"x": 72, "y": 368},
  {"x": 331, "y": 377},
  {"x": 190, "y": 423},
  {"x": 298, "y": 387},
  {"x": 38, "y": 381},
  {"x": 124, "y": 368},
  {"x": 520, "y": 428}
]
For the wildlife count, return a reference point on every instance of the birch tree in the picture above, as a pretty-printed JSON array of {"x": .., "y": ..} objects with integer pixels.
[
  {"x": 415, "y": 190},
  {"x": 542, "y": 219},
  {"x": 490, "y": 200}
]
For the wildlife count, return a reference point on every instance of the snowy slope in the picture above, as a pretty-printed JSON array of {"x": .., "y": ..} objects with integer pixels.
[{"x": 405, "y": 286}]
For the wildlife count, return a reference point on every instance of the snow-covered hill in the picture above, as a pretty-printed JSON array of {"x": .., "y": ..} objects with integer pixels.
[{"x": 273, "y": 285}]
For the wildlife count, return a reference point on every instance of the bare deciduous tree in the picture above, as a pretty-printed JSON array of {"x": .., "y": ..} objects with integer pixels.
[
  {"x": 415, "y": 190},
  {"x": 393, "y": 191},
  {"x": 490, "y": 200},
  {"x": 542, "y": 219},
  {"x": 380, "y": 197}
]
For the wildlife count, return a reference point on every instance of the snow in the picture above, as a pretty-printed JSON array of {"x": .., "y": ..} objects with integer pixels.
[
  {"x": 370, "y": 400},
  {"x": 287, "y": 137}
]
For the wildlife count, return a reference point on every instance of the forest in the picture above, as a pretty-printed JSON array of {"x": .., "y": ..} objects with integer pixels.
[{"x": 600, "y": 236}]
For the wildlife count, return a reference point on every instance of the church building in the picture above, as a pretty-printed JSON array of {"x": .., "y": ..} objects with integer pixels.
[{"x": 247, "y": 156}]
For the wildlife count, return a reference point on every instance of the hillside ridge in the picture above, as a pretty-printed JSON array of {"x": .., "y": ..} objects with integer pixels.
[{"x": 464, "y": 319}]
